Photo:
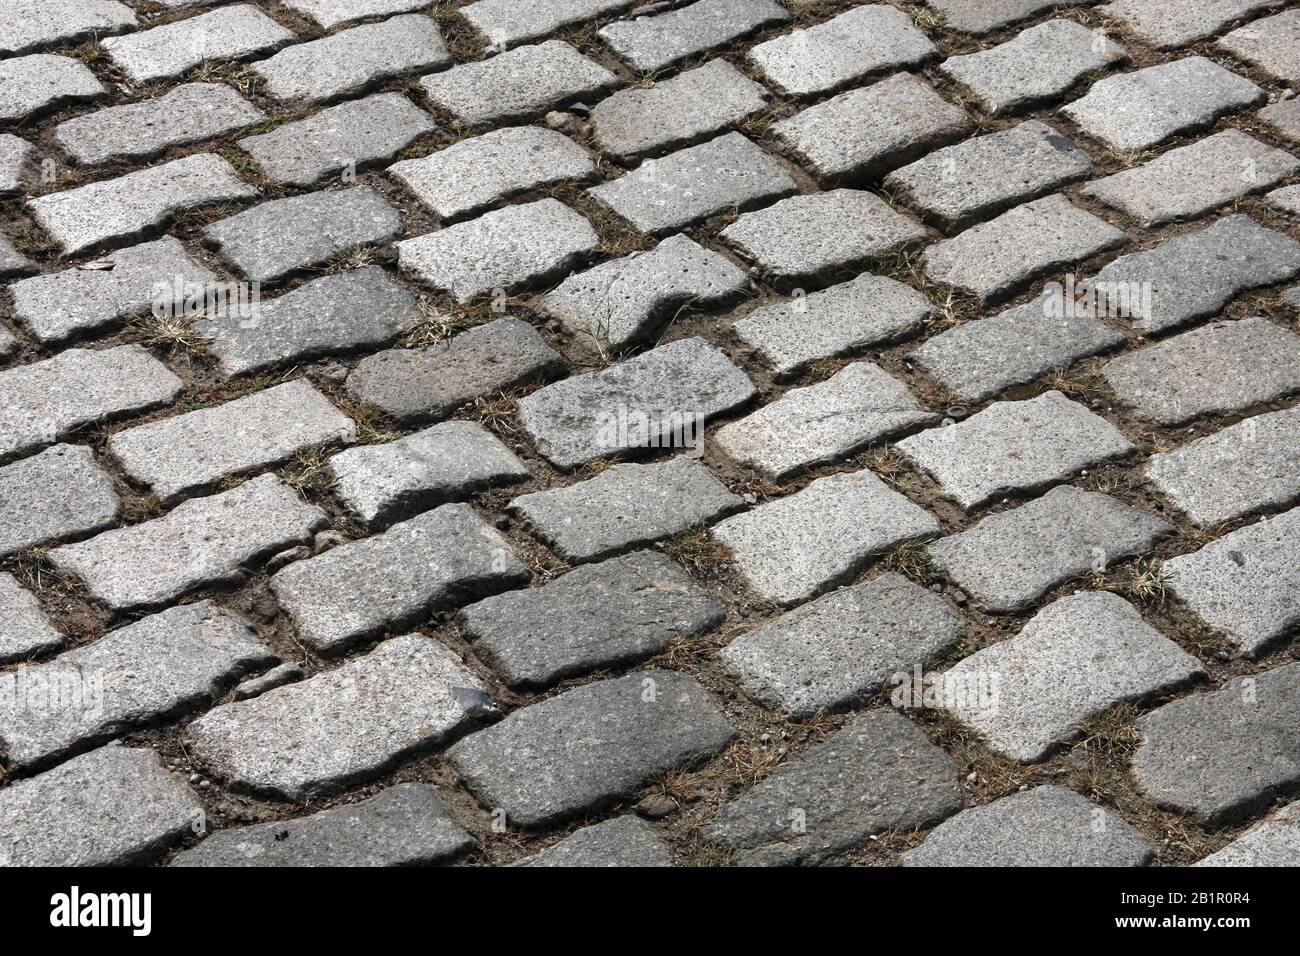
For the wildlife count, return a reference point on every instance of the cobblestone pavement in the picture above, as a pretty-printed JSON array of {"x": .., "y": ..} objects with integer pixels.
[{"x": 674, "y": 433}]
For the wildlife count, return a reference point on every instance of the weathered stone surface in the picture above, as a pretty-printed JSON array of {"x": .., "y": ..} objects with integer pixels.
[
  {"x": 414, "y": 385},
  {"x": 159, "y": 667},
  {"x": 405, "y": 825},
  {"x": 1221, "y": 367},
  {"x": 24, "y": 630},
  {"x": 1244, "y": 584},
  {"x": 1014, "y": 446},
  {"x": 16, "y": 163},
  {"x": 276, "y": 677},
  {"x": 518, "y": 84},
  {"x": 330, "y": 13},
  {"x": 59, "y": 494},
  {"x": 228, "y": 33},
  {"x": 795, "y": 547},
  {"x": 42, "y": 81},
  {"x": 384, "y": 483},
  {"x": 505, "y": 22},
  {"x": 202, "y": 541},
  {"x": 8, "y": 343},
  {"x": 30, "y": 24},
  {"x": 982, "y": 16},
  {"x": 1275, "y": 842},
  {"x": 1138, "y": 110},
  {"x": 623, "y": 841},
  {"x": 346, "y": 137},
  {"x": 658, "y": 399},
  {"x": 589, "y": 746},
  {"x": 650, "y": 43},
  {"x": 1284, "y": 117},
  {"x": 668, "y": 194},
  {"x": 1287, "y": 199},
  {"x": 626, "y": 506},
  {"x": 1012, "y": 558},
  {"x": 601, "y": 615},
  {"x": 1222, "y": 753},
  {"x": 137, "y": 204},
  {"x": 1045, "y": 826},
  {"x": 823, "y": 423},
  {"x": 878, "y": 773},
  {"x": 340, "y": 727},
  {"x": 13, "y": 262},
  {"x": 111, "y": 807},
  {"x": 1166, "y": 26}
]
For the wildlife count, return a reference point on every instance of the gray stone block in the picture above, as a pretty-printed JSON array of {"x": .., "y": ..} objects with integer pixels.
[
  {"x": 24, "y": 629},
  {"x": 983, "y": 16},
  {"x": 58, "y": 494},
  {"x": 624, "y": 841},
  {"x": 31, "y": 24},
  {"x": 228, "y": 33},
  {"x": 1275, "y": 842},
  {"x": 650, "y": 43},
  {"x": 17, "y": 162},
  {"x": 43, "y": 81},
  {"x": 1284, "y": 118},
  {"x": 1166, "y": 26},
  {"x": 330, "y": 13},
  {"x": 504, "y": 23}
]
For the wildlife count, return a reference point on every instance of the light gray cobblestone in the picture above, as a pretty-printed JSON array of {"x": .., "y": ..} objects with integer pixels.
[
  {"x": 24, "y": 628},
  {"x": 649, "y": 43},
  {"x": 58, "y": 494},
  {"x": 31, "y": 24},
  {"x": 227, "y": 33},
  {"x": 43, "y": 81}
]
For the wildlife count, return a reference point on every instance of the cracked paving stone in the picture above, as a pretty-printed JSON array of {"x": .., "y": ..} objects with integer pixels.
[
  {"x": 137, "y": 204},
  {"x": 1284, "y": 118},
  {"x": 1244, "y": 584},
  {"x": 504, "y": 23},
  {"x": 161, "y": 666},
  {"x": 796, "y": 547},
  {"x": 1079, "y": 656},
  {"x": 878, "y": 773},
  {"x": 823, "y": 423},
  {"x": 1218, "y": 368},
  {"x": 842, "y": 647},
  {"x": 1222, "y": 753},
  {"x": 1045, "y": 826},
  {"x": 24, "y": 629},
  {"x": 449, "y": 462},
  {"x": 598, "y": 615},
  {"x": 624, "y": 507},
  {"x": 163, "y": 52},
  {"x": 664, "y": 195},
  {"x": 1015, "y": 447},
  {"x": 352, "y": 592},
  {"x": 590, "y": 746},
  {"x": 179, "y": 456},
  {"x": 406, "y": 825},
  {"x": 31, "y": 24},
  {"x": 43, "y": 81},
  {"x": 1166, "y": 26},
  {"x": 623, "y": 841},
  {"x": 339, "y": 727},
  {"x": 202, "y": 541},
  {"x": 1274, "y": 842},
  {"x": 17, "y": 163},
  {"x": 330, "y": 13},
  {"x": 1012, "y": 558},
  {"x": 114, "y": 806},
  {"x": 984, "y": 16},
  {"x": 650, "y": 43},
  {"x": 1138, "y": 110},
  {"x": 276, "y": 677},
  {"x": 1287, "y": 199},
  {"x": 658, "y": 399},
  {"x": 58, "y": 494}
]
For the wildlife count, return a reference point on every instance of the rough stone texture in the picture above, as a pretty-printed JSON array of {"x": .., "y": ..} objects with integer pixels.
[
  {"x": 137, "y": 204},
  {"x": 1045, "y": 826},
  {"x": 342, "y": 726},
  {"x": 623, "y": 841},
  {"x": 111, "y": 807},
  {"x": 330, "y": 13},
  {"x": 17, "y": 158},
  {"x": 43, "y": 81},
  {"x": 1275, "y": 842},
  {"x": 1166, "y": 25},
  {"x": 1221, "y": 367},
  {"x": 650, "y": 43},
  {"x": 179, "y": 456},
  {"x": 1283, "y": 117},
  {"x": 406, "y": 825},
  {"x": 276, "y": 677},
  {"x": 24, "y": 630},
  {"x": 657, "y": 399},
  {"x": 229, "y": 33},
  {"x": 1221, "y": 753},
  {"x": 59, "y": 494},
  {"x": 505, "y": 22},
  {"x": 795, "y": 547},
  {"x": 30, "y": 24},
  {"x": 1014, "y": 447},
  {"x": 692, "y": 184},
  {"x": 1138, "y": 110},
  {"x": 13, "y": 262},
  {"x": 384, "y": 483},
  {"x": 982, "y": 16},
  {"x": 626, "y": 506},
  {"x": 589, "y": 746},
  {"x": 1244, "y": 584},
  {"x": 601, "y": 615},
  {"x": 1012, "y": 558},
  {"x": 201, "y": 541},
  {"x": 823, "y": 423},
  {"x": 878, "y": 773},
  {"x": 843, "y": 647},
  {"x": 1287, "y": 199}
]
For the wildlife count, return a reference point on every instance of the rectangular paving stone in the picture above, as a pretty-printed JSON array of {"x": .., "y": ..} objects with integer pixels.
[
  {"x": 1012, "y": 558},
  {"x": 1166, "y": 25},
  {"x": 590, "y": 746},
  {"x": 596, "y": 616},
  {"x": 31, "y": 24},
  {"x": 651, "y": 42},
  {"x": 659, "y": 399},
  {"x": 203, "y": 541},
  {"x": 42, "y": 81},
  {"x": 58, "y": 494},
  {"x": 386, "y": 582},
  {"x": 330, "y": 13},
  {"x": 626, "y": 506},
  {"x": 504, "y": 23},
  {"x": 823, "y": 423},
  {"x": 793, "y": 548},
  {"x": 878, "y": 773},
  {"x": 24, "y": 629},
  {"x": 156, "y": 668},
  {"x": 17, "y": 163},
  {"x": 668, "y": 194},
  {"x": 1284, "y": 118},
  {"x": 1015, "y": 447},
  {"x": 177, "y": 457},
  {"x": 624, "y": 841},
  {"x": 503, "y": 249},
  {"x": 138, "y": 204},
  {"x": 1138, "y": 110},
  {"x": 228, "y": 33},
  {"x": 1274, "y": 842},
  {"x": 1222, "y": 367},
  {"x": 340, "y": 727},
  {"x": 962, "y": 184},
  {"x": 983, "y": 16}
]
